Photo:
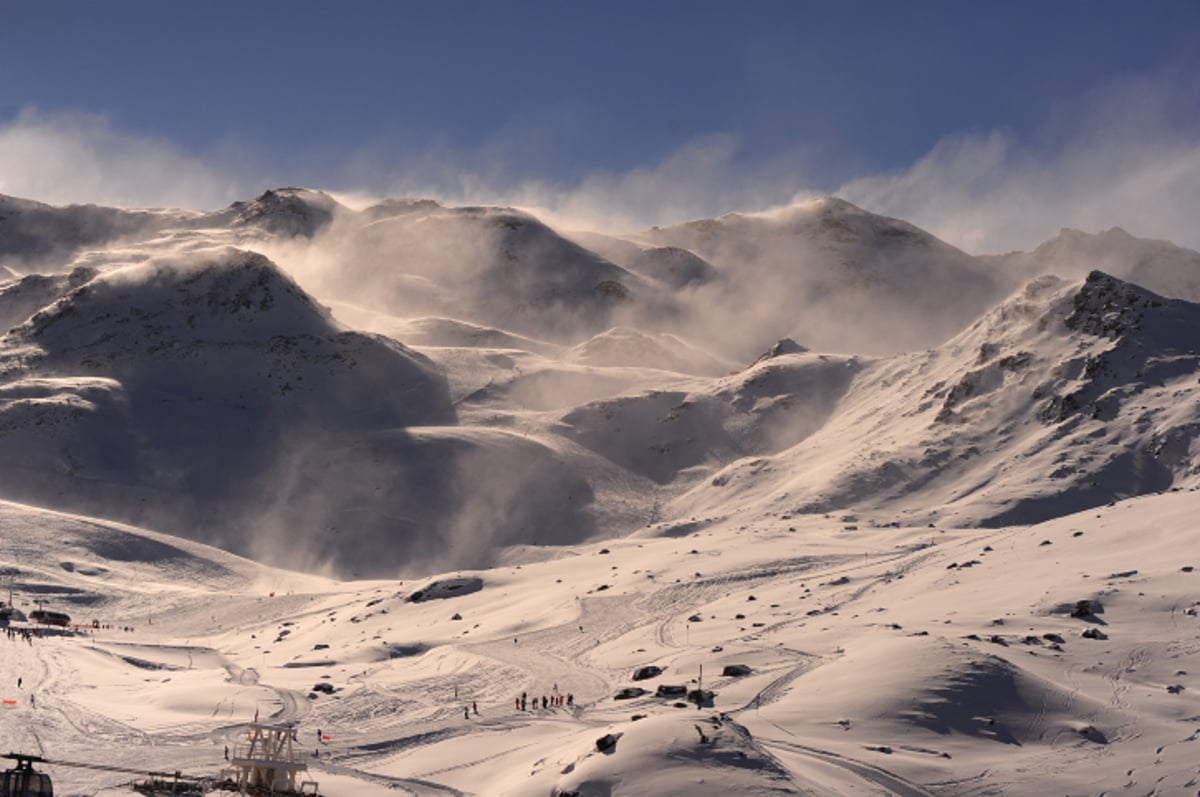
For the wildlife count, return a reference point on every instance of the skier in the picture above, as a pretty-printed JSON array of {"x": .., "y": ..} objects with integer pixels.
[
  {"x": 474, "y": 708},
  {"x": 466, "y": 713}
]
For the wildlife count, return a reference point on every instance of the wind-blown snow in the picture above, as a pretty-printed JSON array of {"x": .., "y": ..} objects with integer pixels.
[{"x": 900, "y": 519}]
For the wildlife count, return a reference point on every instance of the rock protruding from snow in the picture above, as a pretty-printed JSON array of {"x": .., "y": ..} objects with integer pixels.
[{"x": 288, "y": 212}]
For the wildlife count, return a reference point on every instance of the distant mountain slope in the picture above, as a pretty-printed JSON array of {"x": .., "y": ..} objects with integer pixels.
[
  {"x": 1067, "y": 396},
  {"x": 702, "y": 424},
  {"x": 35, "y": 236},
  {"x": 493, "y": 267},
  {"x": 624, "y": 346},
  {"x": 832, "y": 276},
  {"x": 1160, "y": 266}
]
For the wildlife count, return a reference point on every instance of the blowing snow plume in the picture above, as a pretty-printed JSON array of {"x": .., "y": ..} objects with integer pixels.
[
  {"x": 829, "y": 275},
  {"x": 494, "y": 267},
  {"x": 177, "y": 392}
]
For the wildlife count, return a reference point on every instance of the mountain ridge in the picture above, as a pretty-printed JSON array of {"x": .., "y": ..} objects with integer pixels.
[{"x": 551, "y": 359}]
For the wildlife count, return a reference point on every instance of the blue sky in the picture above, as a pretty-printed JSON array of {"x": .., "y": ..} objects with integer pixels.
[{"x": 617, "y": 112}]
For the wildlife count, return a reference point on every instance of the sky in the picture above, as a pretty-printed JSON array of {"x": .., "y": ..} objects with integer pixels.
[{"x": 991, "y": 124}]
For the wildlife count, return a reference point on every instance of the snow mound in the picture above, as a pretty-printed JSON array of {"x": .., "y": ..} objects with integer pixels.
[
  {"x": 623, "y": 346},
  {"x": 662, "y": 755}
]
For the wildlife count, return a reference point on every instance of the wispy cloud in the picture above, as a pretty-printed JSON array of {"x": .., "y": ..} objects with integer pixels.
[
  {"x": 708, "y": 176},
  {"x": 1127, "y": 156},
  {"x": 64, "y": 158}
]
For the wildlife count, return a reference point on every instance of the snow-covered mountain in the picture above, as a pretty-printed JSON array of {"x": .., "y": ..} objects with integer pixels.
[
  {"x": 174, "y": 380},
  {"x": 1160, "y": 266},
  {"x": 833, "y": 277},
  {"x": 186, "y": 393},
  {"x": 927, "y": 514},
  {"x": 1064, "y": 397}
]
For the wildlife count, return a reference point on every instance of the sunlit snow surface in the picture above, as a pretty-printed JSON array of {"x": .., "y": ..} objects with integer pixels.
[
  {"x": 468, "y": 456},
  {"x": 899, "y": 660}
]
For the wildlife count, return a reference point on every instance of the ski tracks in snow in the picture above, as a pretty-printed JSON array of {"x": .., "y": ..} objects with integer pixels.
[{"x": 893, "y": 783}]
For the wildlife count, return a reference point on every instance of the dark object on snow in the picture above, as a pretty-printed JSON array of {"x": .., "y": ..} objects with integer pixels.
[
  {"x": 701, "y": 697},
  {"x": 735, "y": 670},
  {"x": 695, "y": 618},
  {"x": 629, "y": 692},
  {"x": 606, "y": 743},
  {"x": 323, "y": 687},
  {"x": 671, "y": 690},
  {"x": 649, "y": 671},
  {"x": 23, "y": 780},
  {"x": 1094, "y": 633},
  {"x": 1082, "y": 609}
]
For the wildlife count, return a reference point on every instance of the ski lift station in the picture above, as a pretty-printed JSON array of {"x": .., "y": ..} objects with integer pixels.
[{"x": 269, "y": 762}]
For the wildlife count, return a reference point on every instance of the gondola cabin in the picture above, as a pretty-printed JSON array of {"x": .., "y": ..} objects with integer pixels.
[
  {"x": 46, "y": 617},
  {"x": 23, "y": 781}
]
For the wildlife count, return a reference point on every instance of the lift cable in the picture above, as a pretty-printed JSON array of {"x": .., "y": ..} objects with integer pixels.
[{"x": 104, "y": 767}]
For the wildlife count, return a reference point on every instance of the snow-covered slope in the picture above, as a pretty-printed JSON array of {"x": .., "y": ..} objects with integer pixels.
[
  {"x": 171, "y": 380},
  {"x": 488, "y": 266},
  {"x": 1159, "y": 266},
  {"x": 832, "y": 276},
  {"x": 35, "y": 236},
  {"x": 573, "y": 455},
  {"x": 1057, "y": 658},
  {"x": 185, "y": 392},
  {"x": 1066, "y": 396}
]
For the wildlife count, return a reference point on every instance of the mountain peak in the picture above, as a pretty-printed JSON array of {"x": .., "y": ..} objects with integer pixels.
[
  {"x": 1108, "y": 307},
  {"x": 232, "y": 294},
  {"x": 288, "y": 211}
]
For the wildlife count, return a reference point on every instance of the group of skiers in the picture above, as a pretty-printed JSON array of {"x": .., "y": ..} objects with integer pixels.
[{"x": 548, "y": 701}]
